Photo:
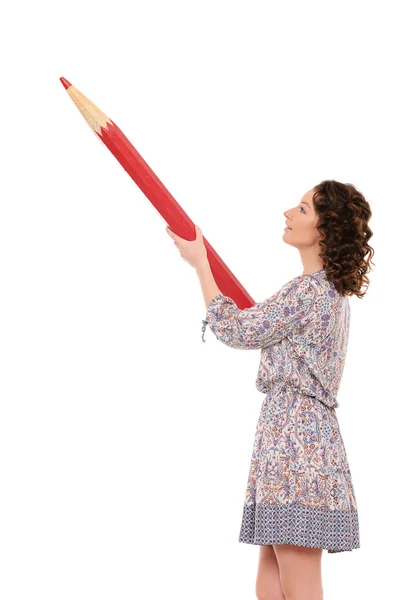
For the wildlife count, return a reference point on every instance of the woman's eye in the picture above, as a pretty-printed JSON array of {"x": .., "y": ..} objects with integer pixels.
[{"x": 302, "y": 209}]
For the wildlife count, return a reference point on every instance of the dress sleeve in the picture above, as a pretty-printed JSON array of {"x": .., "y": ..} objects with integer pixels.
[{"x": 264, "y": 324}]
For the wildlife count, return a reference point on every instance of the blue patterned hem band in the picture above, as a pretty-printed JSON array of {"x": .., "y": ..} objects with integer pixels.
[{"x": 332, "y": 530}]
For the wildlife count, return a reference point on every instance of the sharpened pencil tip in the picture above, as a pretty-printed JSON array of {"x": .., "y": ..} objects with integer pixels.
[{"x": 65, "y": 83}]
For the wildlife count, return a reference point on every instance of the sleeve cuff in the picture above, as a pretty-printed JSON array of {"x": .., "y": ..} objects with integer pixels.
[{"x": 206, "y": 320}]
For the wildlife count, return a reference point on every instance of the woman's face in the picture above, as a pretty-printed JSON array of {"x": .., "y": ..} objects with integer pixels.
[{"x": 302, "y": 221}]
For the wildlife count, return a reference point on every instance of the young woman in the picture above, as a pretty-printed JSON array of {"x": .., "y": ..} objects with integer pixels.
[{"x": 300, "y": 497}]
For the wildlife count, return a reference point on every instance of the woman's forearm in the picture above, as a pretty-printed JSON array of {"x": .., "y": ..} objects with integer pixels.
[{"x": 207, "y": 281}]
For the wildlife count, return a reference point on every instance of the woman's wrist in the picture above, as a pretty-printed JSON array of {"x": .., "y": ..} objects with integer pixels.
[
  {"x": 207, "y": 281},
  {"x": 203, "y": 265}
]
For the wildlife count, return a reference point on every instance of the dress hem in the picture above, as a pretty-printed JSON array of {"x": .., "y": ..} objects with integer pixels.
[{"x": 293, "y": 523}]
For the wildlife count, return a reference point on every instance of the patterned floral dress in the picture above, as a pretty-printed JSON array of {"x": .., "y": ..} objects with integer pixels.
[{"x": 300, "y": 488}]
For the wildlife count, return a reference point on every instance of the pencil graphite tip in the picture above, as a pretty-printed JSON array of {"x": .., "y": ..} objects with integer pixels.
[{"x": 65, "y": 83}]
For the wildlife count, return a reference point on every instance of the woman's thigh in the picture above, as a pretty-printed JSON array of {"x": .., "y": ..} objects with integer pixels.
[
  {"x": 300, "y": 571},
  {"x": 268, "y": 585}
]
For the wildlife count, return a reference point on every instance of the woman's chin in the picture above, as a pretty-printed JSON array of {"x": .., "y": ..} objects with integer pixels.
[{"x": 287, "y": 237}]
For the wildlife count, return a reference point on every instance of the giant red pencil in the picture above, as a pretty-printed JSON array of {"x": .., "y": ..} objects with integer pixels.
[{"x": 155, "y": 191}]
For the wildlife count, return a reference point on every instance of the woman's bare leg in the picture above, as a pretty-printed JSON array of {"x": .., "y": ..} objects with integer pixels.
[
  {"x": 300, "y": 571},
  {"x": 268, "y": 585}
]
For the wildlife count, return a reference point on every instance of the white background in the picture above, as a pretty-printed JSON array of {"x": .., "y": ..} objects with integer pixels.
[{"x": 125, "y": 441}]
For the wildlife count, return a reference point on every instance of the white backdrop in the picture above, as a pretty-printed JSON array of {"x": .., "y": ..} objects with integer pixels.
[{"x": 125, "y": 441}]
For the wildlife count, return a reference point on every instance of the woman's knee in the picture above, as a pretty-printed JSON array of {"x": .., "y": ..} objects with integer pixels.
[
  {"x": 300, "y": 571},
  {"x": 268, "y": 585}
]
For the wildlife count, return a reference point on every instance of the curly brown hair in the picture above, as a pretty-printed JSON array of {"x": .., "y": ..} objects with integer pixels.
[{"x": 343, "y": 224}]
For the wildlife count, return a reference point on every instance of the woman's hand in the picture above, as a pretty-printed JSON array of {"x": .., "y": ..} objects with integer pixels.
[{"x": 194, "y": 252}]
